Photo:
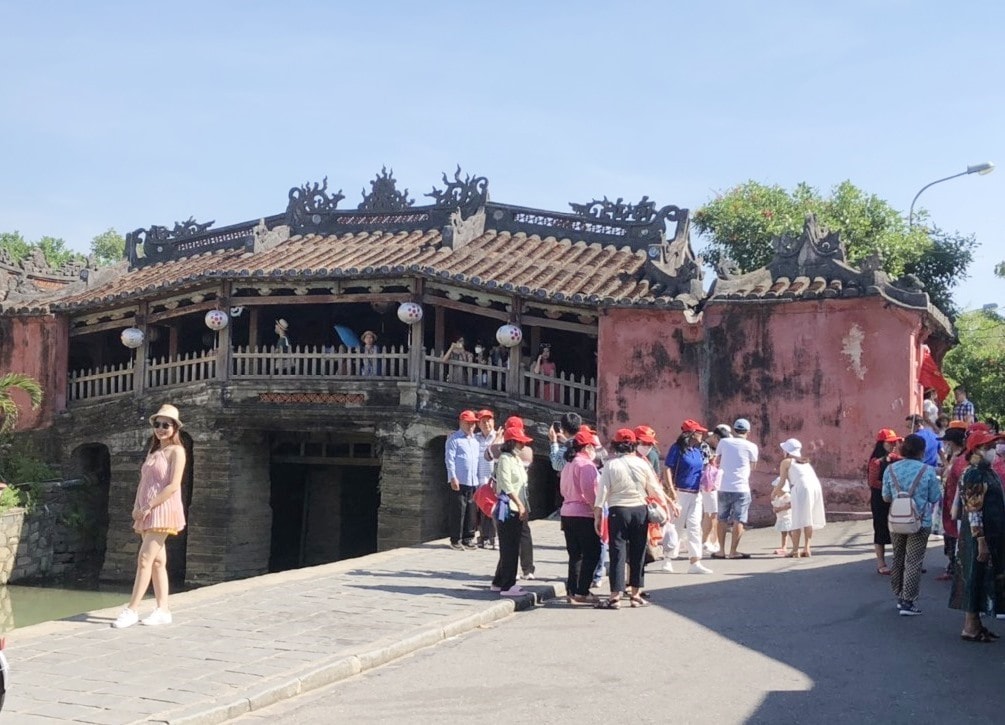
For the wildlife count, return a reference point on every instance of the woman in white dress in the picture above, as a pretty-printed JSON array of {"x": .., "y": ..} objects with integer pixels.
[{"x": 807, "y": 496}]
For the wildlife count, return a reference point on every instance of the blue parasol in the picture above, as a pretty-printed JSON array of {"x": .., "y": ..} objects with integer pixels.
[{"x": 349, "y": 338}]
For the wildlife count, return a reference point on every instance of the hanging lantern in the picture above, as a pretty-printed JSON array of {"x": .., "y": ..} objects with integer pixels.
[
  {"x": 509, "y": 335},
  {"x": 409, "y": 312},
  {"x": 132, "y": 337},
  {"x": 216, "y": 320}
]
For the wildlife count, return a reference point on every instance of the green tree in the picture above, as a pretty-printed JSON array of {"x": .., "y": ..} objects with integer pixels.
[
  {"x": 741, "y": 224},
  {"x": 56, "y": 252},
  {"x": 9, "y": 409},
  {"x": 978, "y": 361},
  {"x": 108, "y": 247},
  {"x": 15, "y": 244}
]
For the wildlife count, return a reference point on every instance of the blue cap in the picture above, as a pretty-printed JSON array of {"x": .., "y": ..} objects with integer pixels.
[{"x": 741, "y": 425}]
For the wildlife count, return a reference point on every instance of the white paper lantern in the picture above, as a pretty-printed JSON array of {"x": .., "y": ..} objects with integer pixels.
[
  {"x": 509, "y": 335},
  {"x": 409, "y": 312},
  {"x": 216, "y": 320},
  {"x": 132, "y": 337}
]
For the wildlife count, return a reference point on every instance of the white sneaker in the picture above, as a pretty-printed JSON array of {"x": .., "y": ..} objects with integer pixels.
[
  {"x": 698, "y": 568},
  {"x": 494, "y": 588},
  {"x": 529, "y": 575},
  {"x": 127, "y": 618},
  {"x": 158, "y": 616},
  {"x": 513, "y": 591},
  {"x": 711, "y": 548},
  {"x": 667, "y": 566}
]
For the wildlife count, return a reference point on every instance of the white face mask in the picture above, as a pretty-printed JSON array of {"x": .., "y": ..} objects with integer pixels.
[
  {"x": 989, "y": 456},
  {"x": 644, "y": 450}
]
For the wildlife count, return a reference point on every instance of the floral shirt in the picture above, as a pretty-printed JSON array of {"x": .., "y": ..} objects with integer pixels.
[{"x": 983, "y": 500}]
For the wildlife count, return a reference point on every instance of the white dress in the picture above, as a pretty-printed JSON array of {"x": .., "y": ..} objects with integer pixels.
[
  {"x": 807, "y": 497},
  {"x": 783, "y": 517}
]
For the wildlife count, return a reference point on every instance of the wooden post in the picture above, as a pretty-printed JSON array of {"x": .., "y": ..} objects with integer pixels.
[
  {"x": 172, "y": 341},
  {"x": 439, "y": 333},
  {"x": 223, "y": 338},
  {"x": 417, "y": 343},
  {"x": 141, "y": 353},
  {"x": 514, "y": 378},
  {"x": 253, "y": 329}
]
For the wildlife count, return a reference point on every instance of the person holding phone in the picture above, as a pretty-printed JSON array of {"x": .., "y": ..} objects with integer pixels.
[{"x": 543, "y": 365}]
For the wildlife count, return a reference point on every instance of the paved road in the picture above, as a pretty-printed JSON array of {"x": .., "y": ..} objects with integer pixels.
[
  {"x": 765, "y": 640},
  {"x": 761, "y": 641}
]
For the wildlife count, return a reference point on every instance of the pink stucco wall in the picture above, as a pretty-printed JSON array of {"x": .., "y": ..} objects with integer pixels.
[
  {"x": 829, "y": 372},
  {"x": 36, "y": 346}
]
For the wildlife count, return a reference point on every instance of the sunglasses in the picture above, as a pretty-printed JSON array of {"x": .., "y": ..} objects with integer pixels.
[{"x": 163, "y": 426}]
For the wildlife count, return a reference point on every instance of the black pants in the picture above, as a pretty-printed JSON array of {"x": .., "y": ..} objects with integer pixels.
[
  {"x": 583, "y": 545},
  {"x": 461, "y": 515},
  {"x": 880, "y": 512},
  {"x": 509, "y": 552},
  {"x": 628, "y": 531},
  {"x": 526, "y": 549}
]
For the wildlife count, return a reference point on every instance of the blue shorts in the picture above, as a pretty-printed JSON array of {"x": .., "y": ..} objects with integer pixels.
[{"x": 733, "y": 506}]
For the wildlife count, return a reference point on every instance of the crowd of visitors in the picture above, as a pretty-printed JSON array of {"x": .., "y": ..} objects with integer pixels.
[{"x": 624, "y": 504}]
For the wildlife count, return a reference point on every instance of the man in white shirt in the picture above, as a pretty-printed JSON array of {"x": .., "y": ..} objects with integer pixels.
[{"x": 736, "y": 457}]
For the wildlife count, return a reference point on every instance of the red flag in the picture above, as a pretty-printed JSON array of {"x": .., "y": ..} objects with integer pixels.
[{"x": 930, "y": 376}]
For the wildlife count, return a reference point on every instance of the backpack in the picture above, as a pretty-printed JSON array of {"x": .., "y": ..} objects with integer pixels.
[{"x": 904, "y": 517}]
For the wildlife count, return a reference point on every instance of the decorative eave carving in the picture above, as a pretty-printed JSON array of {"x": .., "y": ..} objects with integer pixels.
[
  {"x": 815, "y": 264},
  {"x": 673, "y": 267}
]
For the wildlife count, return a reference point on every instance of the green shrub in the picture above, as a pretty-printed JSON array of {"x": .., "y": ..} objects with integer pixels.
[{"x": 9, "y": 498}]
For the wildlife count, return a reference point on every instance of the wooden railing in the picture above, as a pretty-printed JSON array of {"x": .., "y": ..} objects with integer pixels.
[
  {"x": 247, "y": 363},
  {"x": 268, "y": 362},
  {"x": 562, "y": 389},
  {"x": 104, "y": 382},
  {"x": 191, "y": 367},
  {"x": 465, "y": 374}
]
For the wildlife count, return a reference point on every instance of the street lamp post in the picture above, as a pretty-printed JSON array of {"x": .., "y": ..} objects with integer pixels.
[{"x": 985, "y": 168}]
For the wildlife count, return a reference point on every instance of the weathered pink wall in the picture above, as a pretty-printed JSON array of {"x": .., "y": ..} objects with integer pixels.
[
  {"x": 649, "y": 362},
  {"x": 36, "y": 346},
  {"x": 830, "y": 373}
]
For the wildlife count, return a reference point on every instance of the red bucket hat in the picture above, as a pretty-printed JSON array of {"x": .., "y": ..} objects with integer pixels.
[
  {"x": 692, "y": 426},
  {"x": 624, "y": 435},
  {"x": 978, "y": 439},
  {"x": 516, "y": 434},
  {"x": 645, "y": 434},
  {"x": 888, "y": 435}
]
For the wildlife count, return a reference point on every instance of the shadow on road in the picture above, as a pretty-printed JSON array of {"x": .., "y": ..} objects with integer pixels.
[{"x": 837, "y": 623}]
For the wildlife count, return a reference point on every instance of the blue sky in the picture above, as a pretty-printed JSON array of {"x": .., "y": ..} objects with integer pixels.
[{"x": 132, "y": 114}]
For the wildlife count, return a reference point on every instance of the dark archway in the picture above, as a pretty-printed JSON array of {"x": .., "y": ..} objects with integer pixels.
[{"x": 92, "y": 464}]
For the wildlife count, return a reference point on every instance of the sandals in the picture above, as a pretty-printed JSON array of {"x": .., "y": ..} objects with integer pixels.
[
  {"x": 584, "y": 599},
  {"x": 989, "y": 634},
  {"x": 718, "y": 555},
  {"x": 738, "y": 555},
  {"x": 612, "y": 603},
  {"x": 781, "y": 552},
  {"x": 982, "y": 636},
  {"x": 636, "y": 600},
  {"x": 883, "y": 570}
]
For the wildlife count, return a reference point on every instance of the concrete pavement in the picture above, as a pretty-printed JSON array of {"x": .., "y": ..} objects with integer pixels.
[
  {"x": 237, "y": 648},
  {"x": 240, "y": 646}
]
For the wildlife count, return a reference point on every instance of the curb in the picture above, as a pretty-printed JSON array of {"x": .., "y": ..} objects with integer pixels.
[{"x": 348, "y": 666}]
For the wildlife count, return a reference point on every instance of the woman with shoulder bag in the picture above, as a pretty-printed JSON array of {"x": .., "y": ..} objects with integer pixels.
[
  {"x": 512, "y": 510},
  {"x": 912, "y": 478},
  {"x": 979, "y": 577},
  {"x": 625, "y": 483}
]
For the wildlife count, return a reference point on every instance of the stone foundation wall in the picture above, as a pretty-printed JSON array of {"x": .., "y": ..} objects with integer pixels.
[{"x": 62, "y": 535}]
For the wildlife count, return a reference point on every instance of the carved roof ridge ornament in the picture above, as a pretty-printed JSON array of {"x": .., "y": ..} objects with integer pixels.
[
  {"x": 674, "y": 266},
  {"x": 467, "y": 194},
  {"x": 310, "y": 201},
  {"x": 384, "y": 194},
  {"x": 144, "y": 243}
]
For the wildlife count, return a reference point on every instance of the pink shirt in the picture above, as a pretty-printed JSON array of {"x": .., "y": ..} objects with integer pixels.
[
  {"x": 155, "y": 476},
  {"x": 579, "y": 487}
]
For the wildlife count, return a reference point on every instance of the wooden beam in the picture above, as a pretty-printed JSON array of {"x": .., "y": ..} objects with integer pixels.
[
  {"x": 320, "y": 299},
  {"x": 141, "y": 354},
  {"x": 439, "y": 333},
  {"x": 466, "y": 307},
  {"x": 560, "y": 325},
  {"x": 180, "y": 311},
  {"x": 252, "y": 326},
  {"x": 514, "y": 375},
  {"x": 102, "y": 327}
]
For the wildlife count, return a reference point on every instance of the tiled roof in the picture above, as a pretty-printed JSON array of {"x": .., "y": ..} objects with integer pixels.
[{"x": 526, "y": 265}]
